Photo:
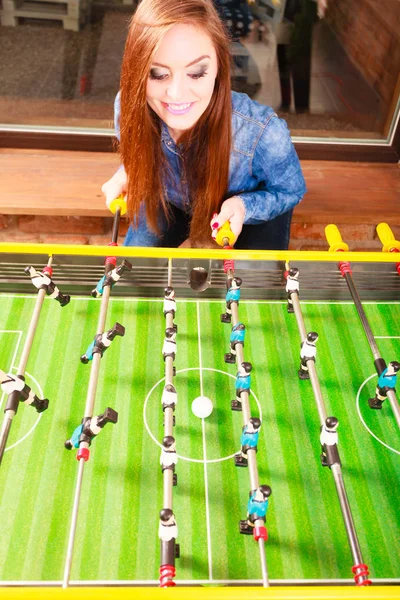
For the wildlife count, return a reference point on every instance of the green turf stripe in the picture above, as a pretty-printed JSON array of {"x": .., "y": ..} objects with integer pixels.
[
  {"x": 350, "y": 343},
  {"x": 75, "y": 377}
]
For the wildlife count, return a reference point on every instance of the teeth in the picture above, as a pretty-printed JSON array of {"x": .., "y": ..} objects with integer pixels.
[{"x": 179, "y": 106}]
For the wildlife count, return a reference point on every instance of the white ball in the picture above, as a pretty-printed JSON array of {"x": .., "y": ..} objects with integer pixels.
[{"x": 202, "y": 407}]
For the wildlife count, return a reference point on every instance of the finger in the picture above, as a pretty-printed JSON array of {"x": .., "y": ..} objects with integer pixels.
[{"x": 236, "y": 222}]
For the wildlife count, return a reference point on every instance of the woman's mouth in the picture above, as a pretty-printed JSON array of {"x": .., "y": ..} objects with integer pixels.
[{"x": 178, "y": 109}]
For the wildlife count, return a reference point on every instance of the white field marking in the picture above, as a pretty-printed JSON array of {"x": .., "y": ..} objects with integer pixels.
[
  {"x": 387, "y": 337},
  {"x": 208, "y": 300},
  {"x": 362, "y": 420},
  {"x": 183, "y": 582},
  {"x": 194, "y": 460},
  {"x": 203, "y": 428},
  {"x": 39, "y": 415},
  {"x": 14, "y": 358}
]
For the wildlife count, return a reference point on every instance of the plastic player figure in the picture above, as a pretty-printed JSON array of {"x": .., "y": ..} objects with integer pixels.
[
  {"x": 15, "y": 383},
  {"x": 329, "y": 441},
  {"x": 169, "y": 301},
  {"x": 237, "y": 337},
  {"x": 169, "y": 398},
  {"x": 387, "y": 381},
  {"x": 42, "y": 281},
  {"x": 292, "y": 285},
  {"x": 256, "y": 508},
  {"x": 242, "y": 384},
  {"x": 232, "y": 295},
  {"x": 101, "y": 342},
  {"x": 111, "y": 278},
  {"x": 169, "y": 346},
  {"x": 308, "y": 352},
  {"x": 90, "y": 427},
  {"x": 167, "y": 529},
  {"x": 249, "y": 439},
  {"x": 168, "y": 458}
]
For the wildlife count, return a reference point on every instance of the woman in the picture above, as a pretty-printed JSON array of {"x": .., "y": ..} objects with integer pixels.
[{"x": 193, "y": 152}]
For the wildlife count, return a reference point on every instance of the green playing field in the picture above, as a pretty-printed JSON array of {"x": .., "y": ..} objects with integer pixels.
[{"x": 122, "y": 487}]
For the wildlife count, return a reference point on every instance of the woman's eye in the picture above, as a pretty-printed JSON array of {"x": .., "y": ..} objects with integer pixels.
[
  {"x": 197, "y": 75},
  {"x": 157, "y": 75}
]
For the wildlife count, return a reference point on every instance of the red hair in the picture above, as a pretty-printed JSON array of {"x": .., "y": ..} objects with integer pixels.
[{"x": 208, "y": 143}]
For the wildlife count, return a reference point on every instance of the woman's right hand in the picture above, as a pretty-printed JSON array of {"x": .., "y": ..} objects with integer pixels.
[{"x": 114, "y": 187}]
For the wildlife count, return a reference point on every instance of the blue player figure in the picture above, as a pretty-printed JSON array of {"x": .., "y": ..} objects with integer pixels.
[
  {"x": 42, "y": 281},
  {"x": 387, "y": 381},
  {"x": 16, "y": 383},
  {"x": 232, "y": 295},
  {"x": 111, "y": 278},
  {"x": 292, "y": 285},
  {"x": 257, "y": 507},
  {"x": 248, "y": 439},
  {"x": 90, "y": 427},
  {"x": 242, "y": 384},
  {"x": 237, "y": 337},
  {"x": 101, "y": 342}
]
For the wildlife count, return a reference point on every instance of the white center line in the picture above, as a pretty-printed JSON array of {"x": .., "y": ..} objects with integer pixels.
[{"x": 203, "y": 428}]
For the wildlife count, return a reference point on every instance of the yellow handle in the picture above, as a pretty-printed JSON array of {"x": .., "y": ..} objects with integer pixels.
[
  {"x": 387, "y": 238},
  {"x": 335, "y": 239},
  {"x": 225, "y": 233},
  {"x": 119, "y": 201}
]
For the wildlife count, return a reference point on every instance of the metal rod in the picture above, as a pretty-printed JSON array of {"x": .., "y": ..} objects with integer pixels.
[
  {"x": 89, "y": 407},
  {"x": 336, "y": 468},
  {"x": 362, "y": 315},
  {"x": 74, "y": 520},
  {"x": 10, "y": 413},
  {"x": 251, "y": 453},
  {"x": 5, "y": 430},
  {"x": 391, "y": 395},
  {"x": 347, "y": 516},
  {"x": 115, "y": 229}
]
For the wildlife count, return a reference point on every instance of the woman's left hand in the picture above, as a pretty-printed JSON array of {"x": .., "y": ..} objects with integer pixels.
[{"x": 232, "y": 210}]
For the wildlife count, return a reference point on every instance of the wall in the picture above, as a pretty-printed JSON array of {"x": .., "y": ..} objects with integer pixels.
[{"x": 369, "y": 32}]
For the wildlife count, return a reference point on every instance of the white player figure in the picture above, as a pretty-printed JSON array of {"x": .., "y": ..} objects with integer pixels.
[
  {"x": 167, "y": 529},
  {"x": 308, "y": 352},
  {"x": 169, "y": 346},
  {"x": 169, "y": 398},
  {"x": 12, "y": 383},
  {"x": 292, "y": 285},
  {"x": 169, "y": 301},
  {"x": 41, "y": 280},
  {"x": 329, "y": 440},
  {"x": 168, "y": 458}
]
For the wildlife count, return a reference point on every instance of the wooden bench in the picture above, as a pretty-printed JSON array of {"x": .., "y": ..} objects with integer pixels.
[{"x": 59, "y": 184}]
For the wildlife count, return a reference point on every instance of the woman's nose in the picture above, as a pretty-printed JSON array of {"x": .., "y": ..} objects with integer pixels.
[{"x": 175, "y": 89}]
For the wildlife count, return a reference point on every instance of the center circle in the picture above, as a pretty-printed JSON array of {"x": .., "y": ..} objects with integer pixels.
[
  {"x": 40, "y": 392},
  {"x": 362, "y": 418},
  {"x": 187, "y": 458}
]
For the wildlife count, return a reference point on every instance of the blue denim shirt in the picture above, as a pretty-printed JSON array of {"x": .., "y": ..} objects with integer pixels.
[{"x": 264, "y": 169}]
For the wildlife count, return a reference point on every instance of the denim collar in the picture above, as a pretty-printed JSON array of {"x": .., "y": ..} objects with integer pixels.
[{"x": 167, "y": 139}]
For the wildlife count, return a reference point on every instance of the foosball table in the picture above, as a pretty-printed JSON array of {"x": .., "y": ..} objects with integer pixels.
[{"x": 246, "y": 439}]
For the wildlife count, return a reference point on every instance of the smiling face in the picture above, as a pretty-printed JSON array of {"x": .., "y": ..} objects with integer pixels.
[{"x": 182, "y": 78}]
